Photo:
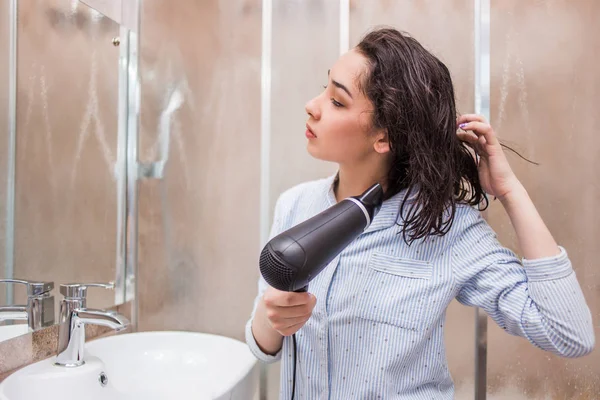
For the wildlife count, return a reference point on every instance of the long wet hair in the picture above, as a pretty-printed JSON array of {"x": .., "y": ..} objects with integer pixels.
[{"x": 413, "y": 98}]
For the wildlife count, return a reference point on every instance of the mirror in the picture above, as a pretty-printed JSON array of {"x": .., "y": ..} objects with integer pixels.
[{"x": 63, "y": 113}]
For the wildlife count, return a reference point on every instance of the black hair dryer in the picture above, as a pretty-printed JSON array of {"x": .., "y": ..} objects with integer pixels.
[{"x": 293, "y": 258}]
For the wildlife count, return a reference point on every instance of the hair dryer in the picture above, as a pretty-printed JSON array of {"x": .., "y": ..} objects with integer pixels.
[{"x": 293, "y": 258}]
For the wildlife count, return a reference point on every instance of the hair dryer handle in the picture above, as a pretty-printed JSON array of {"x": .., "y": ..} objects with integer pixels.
[{"x": 302, "y": 290}]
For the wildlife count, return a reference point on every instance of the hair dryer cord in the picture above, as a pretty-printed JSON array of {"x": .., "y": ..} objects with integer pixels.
[{"x": 294, "y": 360}]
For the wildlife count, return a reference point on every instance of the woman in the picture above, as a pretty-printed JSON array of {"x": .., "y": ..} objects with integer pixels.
[{"x": 372, "y": 323}]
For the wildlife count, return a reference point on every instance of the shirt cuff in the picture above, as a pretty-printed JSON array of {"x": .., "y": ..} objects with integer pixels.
[
  {"x": 258, "y": 353},
  {"x": 548, "y": 268}
]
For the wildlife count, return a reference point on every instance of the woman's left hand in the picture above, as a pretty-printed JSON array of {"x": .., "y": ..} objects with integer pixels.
[{"x": 495, "y": 174}]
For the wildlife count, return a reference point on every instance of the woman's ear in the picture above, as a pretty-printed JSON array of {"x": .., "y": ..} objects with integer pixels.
[{"x": 382, "y": 143}]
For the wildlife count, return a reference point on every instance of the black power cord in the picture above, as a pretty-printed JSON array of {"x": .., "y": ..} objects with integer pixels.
[
  {"x": 301, "y": 290},
  {"x": 294, "y": 361}
]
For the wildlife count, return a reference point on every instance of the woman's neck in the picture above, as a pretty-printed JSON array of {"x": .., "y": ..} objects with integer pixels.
[{"x": 354, "y": 181}]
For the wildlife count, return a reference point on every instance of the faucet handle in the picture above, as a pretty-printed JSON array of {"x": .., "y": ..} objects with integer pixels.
[
  {"x": 79, "y": 290},
  {"x": 34, "y": 288}
]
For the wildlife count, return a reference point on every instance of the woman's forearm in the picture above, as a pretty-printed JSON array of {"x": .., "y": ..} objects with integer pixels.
[
  {"x": 267, "y": 338},
  {"x": 535, "y": 240}
]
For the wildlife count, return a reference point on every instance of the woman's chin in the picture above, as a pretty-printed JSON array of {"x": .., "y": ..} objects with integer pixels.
[
  {"x": 313, "y": 151},
  {"x": 318, "y": 156}
]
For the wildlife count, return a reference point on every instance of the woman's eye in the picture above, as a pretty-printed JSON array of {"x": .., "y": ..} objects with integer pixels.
[{"x": 333, "y": 101}]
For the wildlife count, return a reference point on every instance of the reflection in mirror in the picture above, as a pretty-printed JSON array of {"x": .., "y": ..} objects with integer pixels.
[
  {"x": 65, "y": 157},
  {"x": 36, "y": 314}
]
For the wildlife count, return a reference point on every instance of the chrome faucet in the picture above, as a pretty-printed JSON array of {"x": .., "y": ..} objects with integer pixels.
[
  {"x": 39, "y": 311},
  {"x": 74, "y": 315}
]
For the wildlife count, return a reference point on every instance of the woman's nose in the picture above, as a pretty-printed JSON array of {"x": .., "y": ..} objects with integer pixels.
[{"x": 312, "y": 108}]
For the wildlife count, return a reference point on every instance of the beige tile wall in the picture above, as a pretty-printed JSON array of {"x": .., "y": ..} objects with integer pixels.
[
  {"x": 545, "y": 97},
  {"x": 198, "y": 230}
]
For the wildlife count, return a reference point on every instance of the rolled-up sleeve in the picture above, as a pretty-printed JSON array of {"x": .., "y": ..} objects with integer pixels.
[{"x": 540, "y": 300}]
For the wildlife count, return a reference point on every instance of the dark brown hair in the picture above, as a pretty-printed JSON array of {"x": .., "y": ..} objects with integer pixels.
[{"x": 413, "y": 98}]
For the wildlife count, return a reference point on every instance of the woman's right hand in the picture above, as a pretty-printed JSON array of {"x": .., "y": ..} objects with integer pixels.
[{"x": 287, "y": 312}]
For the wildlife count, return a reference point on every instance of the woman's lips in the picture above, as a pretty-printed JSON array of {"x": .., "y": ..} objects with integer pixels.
[{"x": 309, "y": 133}]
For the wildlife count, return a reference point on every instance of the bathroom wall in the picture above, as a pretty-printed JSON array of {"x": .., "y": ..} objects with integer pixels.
[
  {"x": 198, "y": 228},
  {"x": 545, "y": 96}
]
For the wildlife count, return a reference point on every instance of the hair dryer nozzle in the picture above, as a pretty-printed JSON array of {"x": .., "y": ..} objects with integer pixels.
[{"x": 372, "y": 198}]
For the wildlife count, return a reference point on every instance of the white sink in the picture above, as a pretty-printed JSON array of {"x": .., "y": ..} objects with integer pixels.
[
  {"x": 12, "y": 331},
  {"x": 148, "y": 366}
]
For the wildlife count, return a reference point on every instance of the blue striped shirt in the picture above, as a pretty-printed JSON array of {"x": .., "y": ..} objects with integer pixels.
[{"x": 377, "y": 330}]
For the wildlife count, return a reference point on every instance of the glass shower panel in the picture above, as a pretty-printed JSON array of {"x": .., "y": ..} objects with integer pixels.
[
  {"x": 66, "y": 198},
  {"x": 446, "y": 29},
  {"x": 545, "y": 91},
  {"x": 200, "y": 114}
]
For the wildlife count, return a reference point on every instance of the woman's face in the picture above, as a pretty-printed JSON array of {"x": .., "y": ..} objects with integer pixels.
[{"x": 339, "y": 123}]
